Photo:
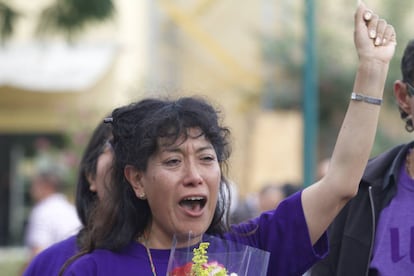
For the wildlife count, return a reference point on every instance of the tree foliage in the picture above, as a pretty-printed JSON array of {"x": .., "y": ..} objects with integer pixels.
[
  {"x": 71, "y": 16},
  {"x": 68, "y": 17},
  {"x": 8, "y": 18}
]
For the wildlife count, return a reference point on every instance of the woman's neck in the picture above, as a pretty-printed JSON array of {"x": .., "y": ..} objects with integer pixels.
[{"x": 153, "y": 240}]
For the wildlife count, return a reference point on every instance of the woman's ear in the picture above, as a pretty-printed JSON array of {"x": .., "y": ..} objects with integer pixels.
[
  {"x": 402, "y": 97},
  {"x": 92, "y": 182},
  {"x": 134, "y": 178}
]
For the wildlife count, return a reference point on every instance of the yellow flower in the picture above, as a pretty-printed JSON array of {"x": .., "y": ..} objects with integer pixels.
[{"x": 201, "y": 266}]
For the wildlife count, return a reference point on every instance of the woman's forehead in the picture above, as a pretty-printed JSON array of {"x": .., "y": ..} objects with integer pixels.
[{"x": 181, "y": 138}]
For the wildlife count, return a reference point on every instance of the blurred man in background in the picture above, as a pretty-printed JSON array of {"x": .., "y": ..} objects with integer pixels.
[{"x": 53, "y": 218}]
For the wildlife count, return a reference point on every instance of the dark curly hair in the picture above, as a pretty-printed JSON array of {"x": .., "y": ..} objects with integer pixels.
[
  {"x": 85, "y": 198},
  {"x": 136, "y": 130},
  {"x": 407, "y": 71}
]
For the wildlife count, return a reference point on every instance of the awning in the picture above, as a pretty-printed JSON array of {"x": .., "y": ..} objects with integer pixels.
[{"x": 46, "y": 67}]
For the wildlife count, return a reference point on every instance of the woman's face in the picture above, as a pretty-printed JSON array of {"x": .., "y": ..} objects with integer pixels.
[
  {"x": 103, "y": 172},
  {"x": 181, "y": 184}
]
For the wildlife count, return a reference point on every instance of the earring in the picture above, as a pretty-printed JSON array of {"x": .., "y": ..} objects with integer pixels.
[
  {"x": 142, "y": 196},
  {"x": 409, "y": 123}
]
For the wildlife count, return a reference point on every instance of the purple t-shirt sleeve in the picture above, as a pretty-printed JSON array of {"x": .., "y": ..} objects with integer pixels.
[{"x": 284, "y": 233}]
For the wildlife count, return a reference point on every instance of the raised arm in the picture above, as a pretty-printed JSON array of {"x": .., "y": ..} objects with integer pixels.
[{"x": 375, "y": 42}]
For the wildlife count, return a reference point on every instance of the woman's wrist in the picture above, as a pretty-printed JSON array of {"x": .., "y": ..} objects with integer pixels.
[
  {"x": 370, "y": 78},
  {"x": 372, "y": 63}
]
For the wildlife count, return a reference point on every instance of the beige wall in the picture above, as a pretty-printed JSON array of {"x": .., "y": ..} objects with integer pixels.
[{"x": 275, "y": 151}]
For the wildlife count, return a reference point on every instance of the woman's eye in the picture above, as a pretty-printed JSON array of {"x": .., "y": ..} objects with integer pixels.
[
  {"x": 208, "y": 158},
  {"x": 172, "y": 162}
]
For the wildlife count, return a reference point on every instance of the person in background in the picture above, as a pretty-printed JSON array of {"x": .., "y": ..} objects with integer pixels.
[
  {"x": 268, "y": 197},
  {"x": 374, "y": 233},
  {"x": 53, "y": 218},
  {"x": 169, "y": 178},
  {"x": 244, "y": 209},
  {"x": 94, "y": 169},
  {"x": 271, "y": 195}
]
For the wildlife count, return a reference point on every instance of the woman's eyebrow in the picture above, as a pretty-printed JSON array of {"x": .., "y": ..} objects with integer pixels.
[{"x": 166, "y": 148}]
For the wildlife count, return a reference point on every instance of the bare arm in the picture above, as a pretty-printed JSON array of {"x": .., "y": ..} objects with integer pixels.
[{"x": 323, "y": 200}]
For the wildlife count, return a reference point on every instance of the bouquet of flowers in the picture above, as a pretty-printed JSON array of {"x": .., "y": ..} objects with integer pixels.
[{"x": 218, "y": 257}]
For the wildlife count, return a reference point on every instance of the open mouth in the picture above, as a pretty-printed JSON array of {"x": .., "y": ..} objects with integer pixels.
[{"x": 194, "y": 203}]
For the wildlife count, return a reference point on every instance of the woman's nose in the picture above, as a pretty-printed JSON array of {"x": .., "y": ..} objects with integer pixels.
[{"x": 192, "y": 174}]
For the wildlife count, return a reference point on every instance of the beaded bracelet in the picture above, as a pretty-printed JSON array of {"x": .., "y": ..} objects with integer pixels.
[{"x": 364, "y": 98}]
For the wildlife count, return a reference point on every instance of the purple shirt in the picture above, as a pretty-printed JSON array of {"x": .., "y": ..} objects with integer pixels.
[
  {"x": 394, "y": 240},
  {"x": 282, "y": 232},
  {"x": 50, "y": 260}
]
